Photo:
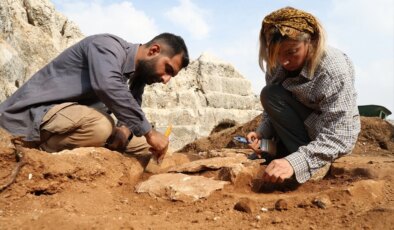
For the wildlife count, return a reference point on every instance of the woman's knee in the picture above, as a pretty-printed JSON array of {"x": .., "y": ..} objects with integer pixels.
[{"x": 270, "y": 94}]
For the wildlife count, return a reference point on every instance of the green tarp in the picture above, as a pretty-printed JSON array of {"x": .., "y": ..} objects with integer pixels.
[{"x": 374, "y": 111}]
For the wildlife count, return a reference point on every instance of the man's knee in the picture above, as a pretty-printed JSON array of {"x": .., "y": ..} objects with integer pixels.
[
  {"x": 100, "y": 130},
  {"x": 138, "y": 145},
  {"x": 77, "y": 126}
]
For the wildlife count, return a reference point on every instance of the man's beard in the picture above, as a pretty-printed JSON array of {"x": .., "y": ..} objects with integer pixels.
[{"x": 145, "y": 71}]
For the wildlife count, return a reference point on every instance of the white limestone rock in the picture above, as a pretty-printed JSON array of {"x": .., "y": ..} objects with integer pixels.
[
  {"x": 206, "y": 93},
  {"x": 179, "y": 187},
  {"x": 32, "y": 33}
]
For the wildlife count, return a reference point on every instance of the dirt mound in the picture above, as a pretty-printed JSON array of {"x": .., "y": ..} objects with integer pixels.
[
  {"x": 48, "y": 174},
  {"x": 89, "y": 188},
  {"x": 223, "y": 138},
  {"x": 376, "y": 135}
]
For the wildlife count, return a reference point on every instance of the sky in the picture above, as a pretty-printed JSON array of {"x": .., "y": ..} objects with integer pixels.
[{"x": 229, "y": 30}]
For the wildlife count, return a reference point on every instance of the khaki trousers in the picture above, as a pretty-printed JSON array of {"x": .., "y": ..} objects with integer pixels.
[{"x": 69, "y": 125}]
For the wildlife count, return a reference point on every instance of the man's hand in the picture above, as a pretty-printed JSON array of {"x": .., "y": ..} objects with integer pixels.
[
  {"x": 119, "y": 138},
  {"x": 277, "y": 171},
  {"x": 254, "y": 140},
  {"x": 159, "y": 144}
]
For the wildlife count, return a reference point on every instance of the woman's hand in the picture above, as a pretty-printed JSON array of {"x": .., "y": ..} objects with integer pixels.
[
  {"x": 254, "y": 142},
  {"x": 277, "y": 171}
]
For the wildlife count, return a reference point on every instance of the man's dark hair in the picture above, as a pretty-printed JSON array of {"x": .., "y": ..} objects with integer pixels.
[{"x": 176, "y": 44}]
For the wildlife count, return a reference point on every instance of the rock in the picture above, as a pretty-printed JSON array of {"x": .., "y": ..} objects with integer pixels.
[
  {"x": 304, "y": 204},
  {"x": 322, "y": 202},
  {"x": 32, "y": 33},
  {"x": 321, "y": 173},
  {"x": 230, "y": 173},
  {"x": 241, "y": 175},
  {"x": 169, "y": 161},
  {"x": 209, "y": 164},
  {"x": 245, "y": 205},
  {"x": 276, "y": 220},
  {"x": 208, "y": 92},
  {"x": 264, "y": 209},
  {"x": 180, "y": 187},
  {"x": 281, "y": 205},
  {"x": 221, "y": 153}
]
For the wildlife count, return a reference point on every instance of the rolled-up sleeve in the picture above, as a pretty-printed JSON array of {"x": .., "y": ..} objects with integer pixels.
[{"x": 105, "y": 58}]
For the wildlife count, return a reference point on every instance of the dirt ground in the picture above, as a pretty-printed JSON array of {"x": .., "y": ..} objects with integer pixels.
[{"x": 93, "y": 188}]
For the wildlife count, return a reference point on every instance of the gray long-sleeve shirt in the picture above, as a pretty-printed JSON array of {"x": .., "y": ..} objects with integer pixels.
[{"x": 95, "y": 70}]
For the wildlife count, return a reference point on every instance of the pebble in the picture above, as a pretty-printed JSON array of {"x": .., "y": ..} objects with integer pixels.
[
  {"x": 244, "y": 205},
  {"x": 322, "y": 202},
  {"x": 277, "y": 220},
  {"x": 264, "y": 209},
  {"x": 281, "y": 205},
  {"x": 303, "y": 204}
]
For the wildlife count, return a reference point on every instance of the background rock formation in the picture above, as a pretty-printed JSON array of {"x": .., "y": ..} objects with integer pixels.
[
  {"x": 32, "y": 32},
  {"x": 207, "y": 93}
]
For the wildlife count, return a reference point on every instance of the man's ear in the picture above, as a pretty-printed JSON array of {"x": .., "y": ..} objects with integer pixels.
[{"x": 154, "y": 50}]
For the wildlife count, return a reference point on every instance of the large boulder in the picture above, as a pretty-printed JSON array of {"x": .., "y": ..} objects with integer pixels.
[
  {"x": 31, "y": 34},
  {"x": 202, "y": 96}
]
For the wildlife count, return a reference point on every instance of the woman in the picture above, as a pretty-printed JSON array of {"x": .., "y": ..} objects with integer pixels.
[{"x": 310, "y": 110}]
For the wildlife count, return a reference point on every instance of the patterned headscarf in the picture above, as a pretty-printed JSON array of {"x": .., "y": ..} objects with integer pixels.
[{"x": 289, "y": 22}]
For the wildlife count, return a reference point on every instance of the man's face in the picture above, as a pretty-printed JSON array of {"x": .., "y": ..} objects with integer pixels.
[
  {"x": 159, "y": 68},
  {"x": 145, "y": 69}
]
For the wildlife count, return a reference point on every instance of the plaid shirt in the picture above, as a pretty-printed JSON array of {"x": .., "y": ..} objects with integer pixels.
[{"x": 334, "y": 124}]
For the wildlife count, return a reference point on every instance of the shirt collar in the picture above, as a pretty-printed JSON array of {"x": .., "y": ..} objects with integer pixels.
[
  {"x": 129, "y": 66},
  {"x": 304, "y": 72}
]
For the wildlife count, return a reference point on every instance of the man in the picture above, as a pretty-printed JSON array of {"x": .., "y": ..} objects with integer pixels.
[{"x": 65, "y": 104}]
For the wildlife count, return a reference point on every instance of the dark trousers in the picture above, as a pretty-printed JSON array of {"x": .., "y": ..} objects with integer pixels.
[{"x": 287, "y": 116}]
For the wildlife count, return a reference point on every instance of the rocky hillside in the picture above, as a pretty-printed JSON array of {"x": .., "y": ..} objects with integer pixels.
[
  {"x": 32, "y": 32},
  {"x": 209, "y": 92}
]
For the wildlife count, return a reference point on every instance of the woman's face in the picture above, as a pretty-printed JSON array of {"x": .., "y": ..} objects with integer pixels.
[{"x": 292, "y": 54}]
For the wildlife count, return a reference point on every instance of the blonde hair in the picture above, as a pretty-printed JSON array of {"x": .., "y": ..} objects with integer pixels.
[{"x": 269, "y": 50}]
